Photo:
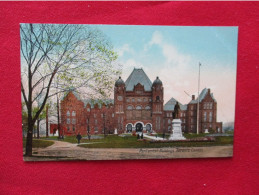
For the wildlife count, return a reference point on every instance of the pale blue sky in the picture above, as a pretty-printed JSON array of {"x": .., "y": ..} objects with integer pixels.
[
  {"x": 216, "y": 43},
  {"x": 174, "y": 52}
]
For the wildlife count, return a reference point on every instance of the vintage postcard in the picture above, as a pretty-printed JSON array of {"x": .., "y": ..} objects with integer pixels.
[{"x": 115, "y": 92}]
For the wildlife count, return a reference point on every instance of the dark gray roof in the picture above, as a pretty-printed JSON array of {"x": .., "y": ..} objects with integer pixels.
[
  {"x": 169, "y": 106},
  {"x": 157, "y": 81},
  {"x": 138, "y": 76},
  {"x": 202, "y": 96},
  {"x": 119, "y": 82}
]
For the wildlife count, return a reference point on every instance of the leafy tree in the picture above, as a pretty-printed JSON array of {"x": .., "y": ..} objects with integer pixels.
[{"x": 55, "y": 58}]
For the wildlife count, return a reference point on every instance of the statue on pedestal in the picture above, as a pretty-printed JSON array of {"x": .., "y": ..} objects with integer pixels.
[
  {"x": 176, "y": 113},
  {"x": 177, "y": 133}
]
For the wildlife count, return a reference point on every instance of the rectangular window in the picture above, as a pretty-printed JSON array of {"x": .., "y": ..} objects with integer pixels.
[
  {"x": 210, "y": 117},
  {"x": 205, "y": 116},
  {"x": 73, "y": 121},
  {"x": 68, "y": 120}
]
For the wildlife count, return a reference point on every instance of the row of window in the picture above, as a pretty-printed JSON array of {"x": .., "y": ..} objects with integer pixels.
[
  {"x": 138, "y": 99},
  {"x": 138, "y": 107},
  {"x": 73, "y": 113},
  {"x": 169, "y": 114},
  {"x": 205, "y": 116},
  {"x": 207, "y": 105},
  {"x": 68, "y": 128}
]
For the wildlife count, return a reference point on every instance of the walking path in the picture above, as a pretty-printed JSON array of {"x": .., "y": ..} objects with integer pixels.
[{"x": 68, "y": 151}]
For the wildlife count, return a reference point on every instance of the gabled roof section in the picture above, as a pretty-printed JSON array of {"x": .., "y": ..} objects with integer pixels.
[
  {"x": 169, "y": 106},
  {"x": 138, "y": 76},
  {"x": 202, "y": 96},
  {"x": 74, "y": 92}
]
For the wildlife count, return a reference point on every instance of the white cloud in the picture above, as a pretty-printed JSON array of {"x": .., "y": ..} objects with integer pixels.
[
  {"x": 123, "y": 49},
  {"x": 179, "y": 73}
]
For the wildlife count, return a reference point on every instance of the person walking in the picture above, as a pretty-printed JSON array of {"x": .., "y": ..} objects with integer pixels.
[{"x": 78, "y": 137}]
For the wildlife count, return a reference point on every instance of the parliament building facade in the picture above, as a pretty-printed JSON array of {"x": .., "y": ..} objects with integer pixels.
[{"x": 138, "y": 106}]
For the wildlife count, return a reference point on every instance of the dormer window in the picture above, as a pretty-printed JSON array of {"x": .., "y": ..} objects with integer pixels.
[{"x": 157, "y": 98}]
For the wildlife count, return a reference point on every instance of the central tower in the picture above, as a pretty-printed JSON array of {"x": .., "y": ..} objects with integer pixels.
[{"x": 139, "y": 103}]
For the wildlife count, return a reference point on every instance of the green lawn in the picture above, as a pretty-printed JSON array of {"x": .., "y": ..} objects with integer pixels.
[
  {"x": 113, "y": 141},
  {"x": 38, "y": 143}
]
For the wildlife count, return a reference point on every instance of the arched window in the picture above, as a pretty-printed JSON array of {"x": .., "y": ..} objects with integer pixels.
[
  {"x": 129, "y": 108},
  {"x": 68, "y": 113},
  {"x": 73, "y": 113},
  {"x": 157, "y": 97},
  {"x": 147, "y": 108},
  {"x": 138, "y": 107}
]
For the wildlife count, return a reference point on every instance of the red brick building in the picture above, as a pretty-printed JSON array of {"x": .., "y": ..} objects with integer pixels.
[{"x": 138, "y": 106}]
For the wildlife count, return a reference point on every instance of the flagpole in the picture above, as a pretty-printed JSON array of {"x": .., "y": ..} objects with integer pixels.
[{"x": 198, "y": 107}]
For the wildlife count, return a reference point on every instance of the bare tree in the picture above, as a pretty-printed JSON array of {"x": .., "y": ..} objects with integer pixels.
[{"x": 57, "y": 57}]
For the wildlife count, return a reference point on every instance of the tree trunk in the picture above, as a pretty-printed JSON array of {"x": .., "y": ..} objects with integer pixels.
[
  {"x": 59, "y": 136},
  {"x": 47, "y": 121},
  {"x": 28, "y": 151},
  {"x": 38, "y": 129}
]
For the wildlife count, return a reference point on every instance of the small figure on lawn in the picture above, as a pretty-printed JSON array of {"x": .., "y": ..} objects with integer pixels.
[
  {"x": 138, "y": 136},
  {"x": 78, "y": 137},
  {"x": 142, "y": 136}
]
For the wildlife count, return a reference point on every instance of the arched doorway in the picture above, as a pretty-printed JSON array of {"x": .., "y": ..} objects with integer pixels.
[{"x": 139, "y": 127}]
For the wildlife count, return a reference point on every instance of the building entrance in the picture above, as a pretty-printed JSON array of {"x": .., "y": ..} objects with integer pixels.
[{"x": 139, "y": 127}]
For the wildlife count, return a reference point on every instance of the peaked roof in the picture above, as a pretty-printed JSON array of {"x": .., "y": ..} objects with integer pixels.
[
  {"x": 169, "y": 106},
  {"x": 138, "y": 76},
  {"x": 74, "y": 92},
  {"x": 202, "y": 96}
]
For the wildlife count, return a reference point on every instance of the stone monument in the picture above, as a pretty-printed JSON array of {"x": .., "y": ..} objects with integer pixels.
[
  {"x": 177, "y": 133},
  {"x": 115, "y": 132}
]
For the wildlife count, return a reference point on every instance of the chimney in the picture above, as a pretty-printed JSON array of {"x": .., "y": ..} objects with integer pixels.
[
  {"x": 193, "y": 97},
  {"x": 208, "y": 90}
]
